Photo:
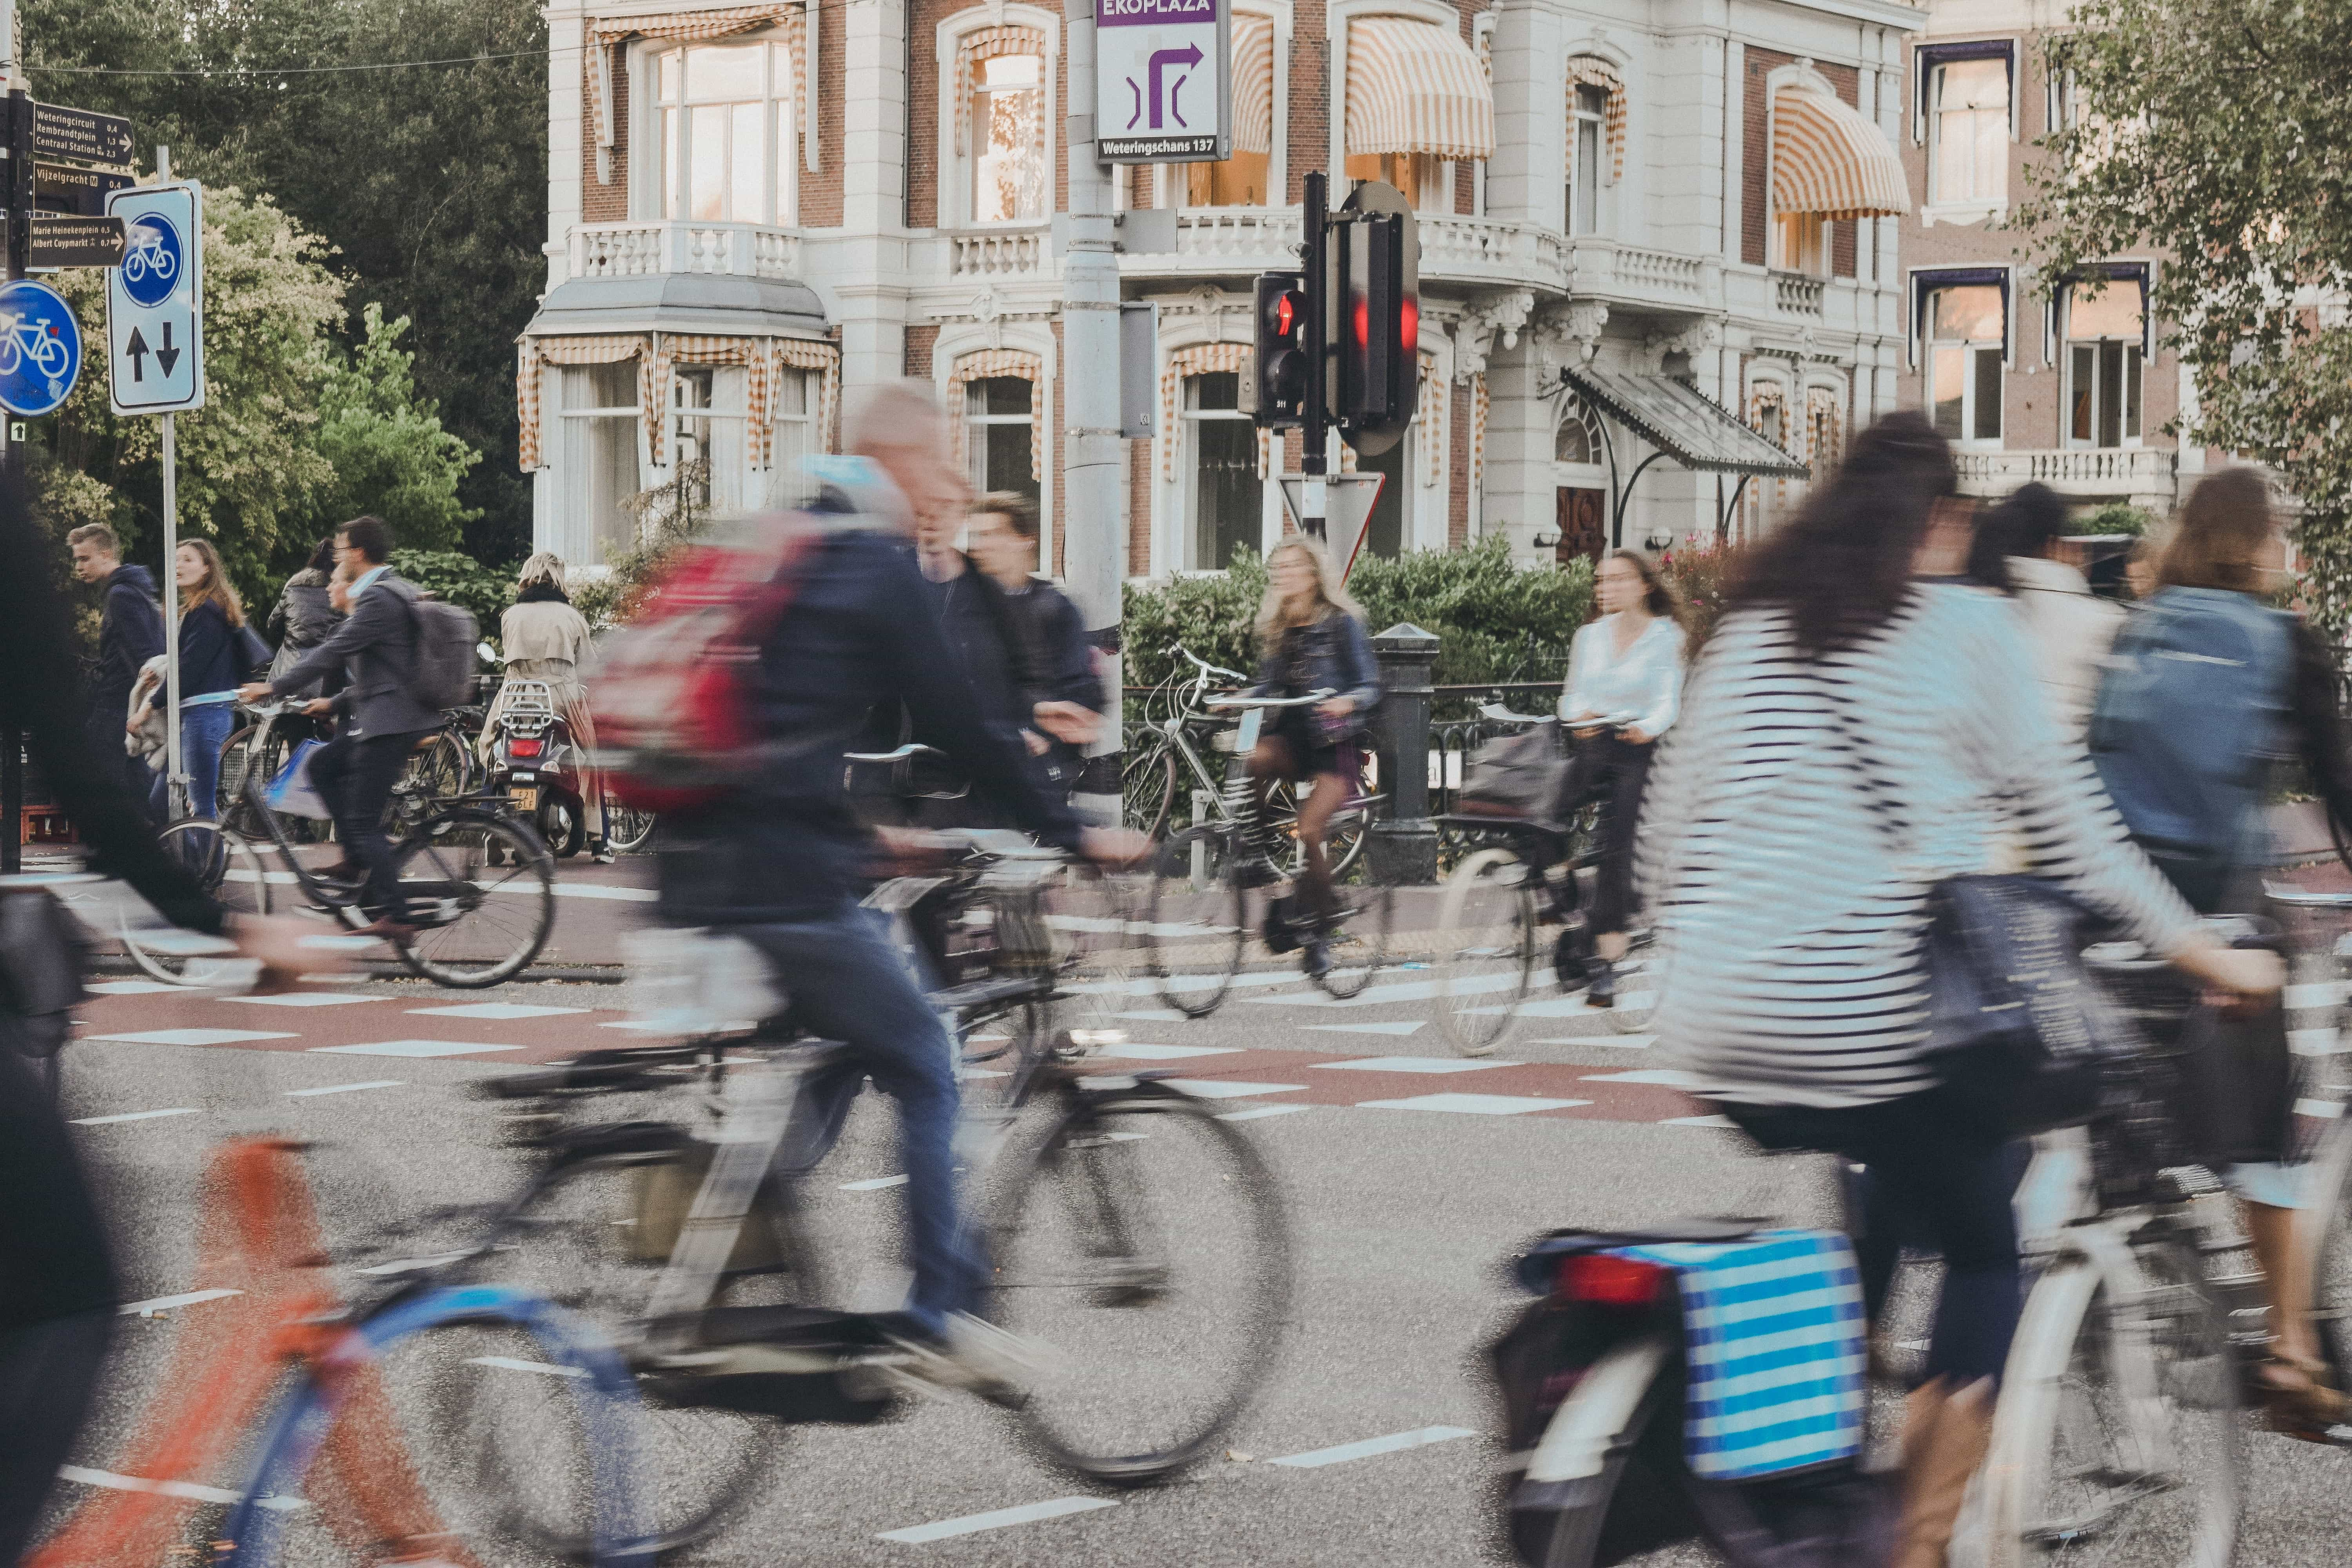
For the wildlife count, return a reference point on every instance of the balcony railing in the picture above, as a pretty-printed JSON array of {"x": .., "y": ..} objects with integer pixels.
[
  {"x": 1798, "y": 293},
  {"x": 2086, "y": 471},
  {"x": 636, "y": 249},
  {"x": 1487, "y": 248},
  {"x": 996, "y": 252},
  {"x": 1658, "y": 271},
  {"x": 1254, "y": 234}
]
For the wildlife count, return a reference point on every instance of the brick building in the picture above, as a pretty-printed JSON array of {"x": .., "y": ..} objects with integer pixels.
[
  {"x": 1630, "y": 210},
  {"x": 2033, "y": 377}
]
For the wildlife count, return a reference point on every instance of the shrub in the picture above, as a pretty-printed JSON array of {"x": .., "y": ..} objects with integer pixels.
[
  {"x": 1698, "y": 569},
  {"x": 461, "y": 580},
  {"x": 2116, "y": 517}
]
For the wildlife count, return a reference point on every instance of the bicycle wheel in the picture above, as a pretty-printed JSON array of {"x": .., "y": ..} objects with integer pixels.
[
  {"x": 1485, "y": 953},
  {"x": 232, "y": 872},
  {"x": 2117, "y": 1440},
  {"x": 1196, "y": 918},
  {"x": 1142, "y": 1247},
  {"x": 626, "y": 827},
  {"x": 1360, "y": 938},
  {"x": 482, "y": 890},
  {"x": 1147, "y": 791},
  {"x": 435, "y": 774}
]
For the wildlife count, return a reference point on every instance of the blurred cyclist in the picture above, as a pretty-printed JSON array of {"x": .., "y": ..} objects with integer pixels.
[
  {"x": 1064, "y": 694},
  {"x": 782, "y": 862}
]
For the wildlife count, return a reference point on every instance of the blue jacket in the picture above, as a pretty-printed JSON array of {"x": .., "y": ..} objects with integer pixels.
[
  {"x": 208, "y": 661},
  {"x": 1333, "y": 654},
  {"x": 862, "y": 633}
]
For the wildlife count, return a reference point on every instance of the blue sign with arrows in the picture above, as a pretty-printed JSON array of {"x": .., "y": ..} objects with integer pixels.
[{"x": 40, "y": 348}]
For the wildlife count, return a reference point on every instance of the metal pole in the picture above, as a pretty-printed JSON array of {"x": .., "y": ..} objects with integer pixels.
[
  {"x": 1093, "y": 453},
  {"x": 172, "y": 758},
  {"x": 1314, "y": 458},
  {"x": 17, "y": 142}
]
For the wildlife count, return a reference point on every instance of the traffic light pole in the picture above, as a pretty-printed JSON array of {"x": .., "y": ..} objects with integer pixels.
[
  {"x": 1313, "y": 437},
  {"x": 19, "y": 143},
  {"x": 1094, "y": 542}
]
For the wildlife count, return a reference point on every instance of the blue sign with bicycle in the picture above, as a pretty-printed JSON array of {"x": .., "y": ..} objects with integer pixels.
[
  {"x": 40, "y": 348},
  {"x": 155, "y": 301},
  {"x": 154, "y": 259}
]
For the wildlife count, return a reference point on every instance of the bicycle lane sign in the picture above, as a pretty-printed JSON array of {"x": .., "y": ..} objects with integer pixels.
[
  {"x": 154, "y": 301},
  {"x": 40, "y": 348}
]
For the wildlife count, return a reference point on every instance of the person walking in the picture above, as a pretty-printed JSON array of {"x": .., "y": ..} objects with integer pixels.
[
  {"x": 2017, "y": 542},
  {"x": 1851, "y": 736},
  {"x": 1055, "y": 661},
  {"x": 1623, "y": 688},
  {"x": 381, "y": 716},
  {"x": 129, "y": 633},
  {"x": 1310, "y": 637},
  {"x": 214, "y": 642},
  {"x": 544, "y": 639}
]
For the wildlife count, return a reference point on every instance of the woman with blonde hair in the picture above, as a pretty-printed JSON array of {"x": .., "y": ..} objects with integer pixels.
[
  {"x": 214, "y": 646},
  {"x": 1310, "y": 637},
  {"x": 544, "y": 639}
]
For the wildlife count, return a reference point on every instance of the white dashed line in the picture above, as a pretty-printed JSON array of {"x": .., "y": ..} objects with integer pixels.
[
  {"x": 1228, "y": 1089},
  {"x": 1262, "y": 1110},
  {"x": 194, "y": 1037},
  {"x": 1402, "y": 1026},
  {"x": 2325, "y": 1110},
  {"x": 131, "y": 987},
  {"x": 1701, "y": 1121},
  {"x": 414, "y": 1049},
  {"x": 1314, "y": 1458},
  {"x": 1411, "y": 1064},
  {"x": 1472, "y": 1104},
  {"x": 411, "y": 1265},
  {"x": 1028, "y": 1513},
  {"x": 1164, "y": 1053},
  {"x": 346, "y": 1088},
  {"x": 306, "y": 999},
  {"x": 509, "y": 1364},
  {"x": 134, "y": 1116},
  {"x": 2325, "y": 1042},
  {"x": 2317, "y": 994},
  {"x": 874, "y": 1185},
  {"x": 165, "y": 1303},
  {"x": 493, "y": 1010},
  {"x": 1666, "y": 1076},
  {"x": 188, "y": 1490}
]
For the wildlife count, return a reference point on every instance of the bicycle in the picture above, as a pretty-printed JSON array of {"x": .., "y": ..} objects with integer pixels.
[
  {"x": 21, "y": 341},
  {"x": 441, "y": 769},
  {"x": 1519, "y": 876},
  {"x": 1198, "y": 920},
  {"x": 148, "y": 257},
  {"x": 465, "y": 867},
  {"x": 692, "y": 1242}
]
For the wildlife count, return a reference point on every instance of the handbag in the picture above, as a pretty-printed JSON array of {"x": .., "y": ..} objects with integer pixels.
[
  {"x": 291, "y": 793},
  {"x": 1514, "y": 776},
  {"x": 252, "y": 653}
]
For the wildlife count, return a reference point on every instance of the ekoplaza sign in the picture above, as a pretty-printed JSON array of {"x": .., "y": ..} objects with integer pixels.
[{"x": 1163, "y": 81}]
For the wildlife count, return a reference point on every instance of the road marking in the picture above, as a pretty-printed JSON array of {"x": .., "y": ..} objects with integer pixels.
[
  {"x": 132, "y": 988},
  {"x": 1412, "y": 1064},
  {"x": 2325, "y": 1110},
  {"x": 874, "y": 1185},
  {"x": 494, "y": 1010},
  {"x": 1227, "y": 1089},
  {"x": 1028, "y": 1513},
  {"x": 346, "y": 1088},
  {"x": 574, "y": 890},
  {"x": 509, "y": 1364},
  {"x": 1153, "y": 1016},
  {"x": 194, "y": 1037},
  {"x": 1666, "y": 1076},
  {"x": 414, "y": 1049},
  {"x": 2315, "y": 994},
  {"x": 411, "y": 1265},
  {"x": 133, "y": 1116},
  {"x": 165, "y": 1303},
  {"x": 188, "y": 1490},
  {"x": 2325, "y": 1042},
  {"x": 306, "y": 999},
  {"x": 1403, "y": 1026},
  {"x": 1471, "y": 1104},
  {"x": 1404, "y": 991},
  {"x": 1261, "y": 1110},
  {"x": 1151, "y": 987},
  {"x": 1165, "y": 1053},
  {"x": 1701, "y": 1121},
  {"x": 1420, "y": 1438}
]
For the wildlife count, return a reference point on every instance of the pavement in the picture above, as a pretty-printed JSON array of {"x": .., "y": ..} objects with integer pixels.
[{"x": 1410, "y": 1176}]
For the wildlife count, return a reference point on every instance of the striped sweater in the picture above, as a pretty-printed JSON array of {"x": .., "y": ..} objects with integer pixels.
[{"x": 1788, "y": 912}]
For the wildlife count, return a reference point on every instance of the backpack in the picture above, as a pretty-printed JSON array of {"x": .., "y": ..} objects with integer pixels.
[
  {"x": 443, "y": 674},
  {"x": 672, "y": 691},
  {"x": 2190, "y": 716}
]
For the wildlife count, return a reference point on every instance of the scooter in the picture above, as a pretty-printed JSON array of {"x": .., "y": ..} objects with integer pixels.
[{"x": 533, "y": 759}]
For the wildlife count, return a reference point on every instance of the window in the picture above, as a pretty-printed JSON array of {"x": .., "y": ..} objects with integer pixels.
[
  {"x": 1239, "y": 182},
  {"x": 1587, "y": 129},
  {"x": 599, "y": 423},
  {"x": 1770, "y": 422},
  {"x": 1228, "y": 500},
  {"x": 1423, "y": 179},
  {"x": 1579, "y": 439},
  {"x": 996, "y": 417},
  {"x": 1801, "y": 243},
  {"x": 795, "y": 435},
  {"x": 709, "y": 423},
  {"x": 1964, "y": 353},
  {"x": 723, "y": 132},
  {"x": 1967, "y": 158},
  {"x": 2105, "y": 333},
  {"x": 1009, "y": 170}
]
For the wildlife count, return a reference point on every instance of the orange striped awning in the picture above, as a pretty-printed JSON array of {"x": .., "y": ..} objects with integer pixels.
[
  {"x": 1414, "y": 86},
  {"x": 534, "y": 354},
  {"x": 985, "y": 365},
  {"x": 1827, "y": 161},
  {"x": 691, "y": 27},
  {"x": 1252, "y": 83}
]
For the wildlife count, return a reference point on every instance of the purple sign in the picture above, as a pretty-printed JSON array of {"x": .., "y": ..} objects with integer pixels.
[{"x": 1154, "y": 13}]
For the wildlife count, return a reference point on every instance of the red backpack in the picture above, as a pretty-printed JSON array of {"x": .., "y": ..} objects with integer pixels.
[{"x": 673, "y": 691}]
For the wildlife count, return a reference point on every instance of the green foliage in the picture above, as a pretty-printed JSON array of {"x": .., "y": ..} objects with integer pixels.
[
  {"x": 1698, "y": 570},
  {"x": 386, "y": 446},
  {"x": 2218, "y": 131},
  {"x": 2117, "y": 517},
  {"x": 668, "y": 516},
  {"x": 460, "y": 579}
]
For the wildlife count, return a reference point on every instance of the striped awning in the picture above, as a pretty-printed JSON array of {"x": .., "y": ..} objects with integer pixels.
[
  {"x": 974, "y": 49},
  {"x": 986, "y": 365},
  {"x": 689, "y": 26},
  {"x": 1252, "y": 83},
  {"x": 1414, "y": 86},
  {"x": 534, "y": 354},
  {"x": 1827, "y": 161}
]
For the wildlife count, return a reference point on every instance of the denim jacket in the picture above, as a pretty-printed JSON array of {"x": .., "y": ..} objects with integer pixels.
[{"x": 1334, "y": 653}]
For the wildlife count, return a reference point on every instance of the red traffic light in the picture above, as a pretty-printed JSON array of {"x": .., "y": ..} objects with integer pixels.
[{"x": 1286, "y": 313}]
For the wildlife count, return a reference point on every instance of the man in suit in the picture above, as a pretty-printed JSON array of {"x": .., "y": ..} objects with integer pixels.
[{"x": 382, "y": 715}]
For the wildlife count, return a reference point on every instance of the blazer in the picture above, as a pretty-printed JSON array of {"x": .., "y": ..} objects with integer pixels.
[{"x": 377, "y": 644}]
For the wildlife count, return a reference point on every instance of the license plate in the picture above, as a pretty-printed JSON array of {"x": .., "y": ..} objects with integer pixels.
[
  {"x": 1251, "y": 723},
  {"x": 524, "y": 799}
]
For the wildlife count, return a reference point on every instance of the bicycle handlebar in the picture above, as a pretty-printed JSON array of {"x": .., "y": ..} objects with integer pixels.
[
  {"x": 906, "y": 752},
  {"x": 1206, "y": 668},
  {"x": 1323, "y": 695}
]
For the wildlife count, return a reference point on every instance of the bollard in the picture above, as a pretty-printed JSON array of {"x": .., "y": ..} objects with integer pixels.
[{"x": 1403, "y": 850}]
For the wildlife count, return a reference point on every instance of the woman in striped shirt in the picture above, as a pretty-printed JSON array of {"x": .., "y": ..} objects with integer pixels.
[{"x": 1856, "y": 731}]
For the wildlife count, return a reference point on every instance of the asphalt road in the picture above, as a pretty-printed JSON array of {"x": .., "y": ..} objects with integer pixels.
[{"x": 1409, "y": 1181}]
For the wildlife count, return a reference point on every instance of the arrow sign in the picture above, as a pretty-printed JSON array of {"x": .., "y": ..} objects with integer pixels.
[
  {"x": 1146, "y": 53},
  {"x": 167, "y": 357},
  {"x": 80, "y": 135},
  {"x": 75, "y": 242},
  {"x": 154, "y": 301},
  {"x": 1188, "y": 57}
]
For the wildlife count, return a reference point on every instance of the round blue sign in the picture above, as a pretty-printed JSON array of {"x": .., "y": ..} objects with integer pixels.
[
  {"x": 154, "y": 260},
  {"x": 40, "y": 348}
]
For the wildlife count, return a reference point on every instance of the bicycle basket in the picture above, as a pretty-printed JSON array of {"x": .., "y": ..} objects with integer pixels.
[{"x": 2143, "y": 1131}]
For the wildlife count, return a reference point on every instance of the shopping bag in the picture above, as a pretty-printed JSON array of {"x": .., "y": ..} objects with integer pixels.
[{"x": 292, "y": 791}]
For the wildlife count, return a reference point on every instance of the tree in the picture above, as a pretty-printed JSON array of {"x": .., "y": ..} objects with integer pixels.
[
  {"x": 386, "y": 447},
  {"x": 2218, "y": 131}
]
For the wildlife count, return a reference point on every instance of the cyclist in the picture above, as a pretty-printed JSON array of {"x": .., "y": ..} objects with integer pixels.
[
  {"x": 1056, "y": 663},
  {"x": 381, "y": 716},
  {"x": 781, "y": 863},
  {"x": 1310, "y": 637},
  {"x": 129, "y": 633},
  {"x": 1854, "y": 735},
  {"x": 1625, "y": 683}
]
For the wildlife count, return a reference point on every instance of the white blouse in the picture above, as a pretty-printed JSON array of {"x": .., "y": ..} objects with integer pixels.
[{"x": 1641, "y": 686}]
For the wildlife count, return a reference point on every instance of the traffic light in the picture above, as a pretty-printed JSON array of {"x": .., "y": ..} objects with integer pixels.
[
  {"x": 1282, "y": 364},
  {"x": 1380, "y": 330}
]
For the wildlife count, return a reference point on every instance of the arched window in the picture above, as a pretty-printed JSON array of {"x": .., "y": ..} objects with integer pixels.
[
  {"x": 1243, "y": 179},
  {"x": 1577, "y": 439},
  {"x": 1000, "y": 88}
]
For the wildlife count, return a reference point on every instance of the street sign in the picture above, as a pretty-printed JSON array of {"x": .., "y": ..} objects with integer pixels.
[
  {"x": 80, "y": 136},
  {"x": 61, "y": 187},
  {"x": 1163, "y": 81},
  {"x": 75, "y": 242},
  {"x": 154, "y": 302},
  {"x": 1347, "y": 501},
  {"x": 40, "y": 348}
]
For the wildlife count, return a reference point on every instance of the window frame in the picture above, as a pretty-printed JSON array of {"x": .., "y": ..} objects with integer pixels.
[
  {"x": 1192, "y": 416},
  {"x": 648, "y": 198},
  {"x": 1933, "y": 116},
  {"x": 2133, "y": 381},
  {"x": 1582, "y": 123},
  {"x": 1972, "y": 350},
  {"x": 952, "y": 203},
  {"x": 976, "y": 427},
  {"x": 577, "y": 508}
]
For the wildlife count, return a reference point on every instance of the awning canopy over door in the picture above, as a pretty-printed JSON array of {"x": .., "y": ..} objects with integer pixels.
[
  {"x": 1830, "y": 162},
  {"x": 1413, "y": 87},
  {"x": 1682, "y": 422}
]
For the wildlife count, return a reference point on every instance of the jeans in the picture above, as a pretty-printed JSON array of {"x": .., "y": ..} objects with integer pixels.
[
  {"x": 848, "y": 983},
  {"x": 204, "y": 727},
  {"x": 354, "y": 776}
]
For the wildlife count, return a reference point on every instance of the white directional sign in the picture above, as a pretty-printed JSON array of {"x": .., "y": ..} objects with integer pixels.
[
  {"x": 1163, "y": 81},
  {"x": 155, "y": 301}
]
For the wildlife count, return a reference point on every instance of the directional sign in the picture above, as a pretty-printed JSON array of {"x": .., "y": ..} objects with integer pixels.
[
  {"x": 61, "y": 187},
  {"x": 75, "y": 242},
  {"x": 154, "y": 301},
  {"x": 40, "y": 348},
  {"x": 1163, "y": 81},
  {"x": 80, "y": 136}
]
